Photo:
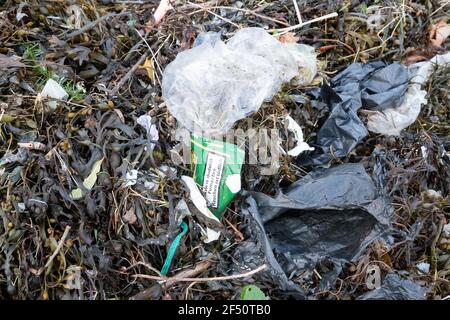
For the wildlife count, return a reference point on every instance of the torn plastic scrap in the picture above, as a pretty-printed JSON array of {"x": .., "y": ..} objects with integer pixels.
[
  {"x": 214, "y": 84},
  {"x": 197, "y": 198},
  {"x": 300, "y": 146},
  {"x": 392, "y": 121},
  {"x": 53, "y": 89},
  {"x": 152, "y": 132},
  {"x": 396, "y": 288},
  {"x": 329, "y": 215}
]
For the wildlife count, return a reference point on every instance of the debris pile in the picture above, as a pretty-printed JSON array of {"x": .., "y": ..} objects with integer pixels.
[{"x": 116, "y": 178}]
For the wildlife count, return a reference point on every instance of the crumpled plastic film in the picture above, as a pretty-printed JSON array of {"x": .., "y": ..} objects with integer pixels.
[
  {"x": 391, "y": 121},
  {"x": 329, "y": 215},
  {"x": 214, "y": 84},
  {"x": 396, "y": 288},
  {"x": 375, "y": 86}
]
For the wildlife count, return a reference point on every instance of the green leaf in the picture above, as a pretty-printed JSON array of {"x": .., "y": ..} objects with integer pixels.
[
  {"x": 363, "y": 8},
  {"x": 252, "y": 292}
]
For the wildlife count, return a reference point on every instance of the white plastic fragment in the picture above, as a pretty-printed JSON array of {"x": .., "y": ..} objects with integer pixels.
[
  {"x": 210, "y": 234},
  {"x": 392, "y": 121},
  {"x": 423, "y": 267},
  {"x": 21, "y": 206},
  {"x": 197, "y": 198},
  {"x": 181, "y": 211},
  {"x": 233, "y": 182},
  {"x": 433, "y": 194},
  {"x": 300, "y": 146},
  {"x": 131, "y": 178},
  {"x": 214, "y": 84},
  {"x": 424, "y": 152},
  {"x": 53, "y": 89},
  {"x": 152, "y": 132},
  {"x": 446, "y": 230},
  {"x": 20, "y": 14}
]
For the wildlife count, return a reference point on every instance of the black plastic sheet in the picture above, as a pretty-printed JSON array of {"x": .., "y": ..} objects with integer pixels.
[
  {"x": 396, "y": 288},
  {"x": 329, "y": 215},
  {"x": 375, "y": 85}
]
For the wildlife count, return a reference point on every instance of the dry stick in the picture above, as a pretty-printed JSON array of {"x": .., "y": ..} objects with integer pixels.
[
  {"x": 236, "y": 231},
  {"x": 58, "y": 248},
  {"x": 284, "y": 30},
  {"x": 128, "y": 75},
  {"x": 148, "y": 293},
  {"x": 445, "y": 3},
  {"x": 223, "y": 278},
  {"x": 297, "y": 11},
  {"x": 215, "y": 14},
  {"x": 153, "y": 54},
  {"x": 246, "y": 11}
]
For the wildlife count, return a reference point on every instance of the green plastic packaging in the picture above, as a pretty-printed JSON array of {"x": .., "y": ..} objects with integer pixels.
[{"x": 217, "y": 170}]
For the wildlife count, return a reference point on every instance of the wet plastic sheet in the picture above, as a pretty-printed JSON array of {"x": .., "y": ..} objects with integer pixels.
[
  {"x": 375, "y": 85},
  {"x": 396, "y": 288},
  {"x": 392, "y": 121},
  {"x": 214, "y": 84},
  {"x": 329, "y": 215}
]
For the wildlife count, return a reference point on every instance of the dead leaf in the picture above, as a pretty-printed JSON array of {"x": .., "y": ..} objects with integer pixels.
[
  {"x": 120, "y": 115},
  {"x": 413, "y": 59},
  {"x": 148, "y": 66},
  {"x": 288, "y": 37},
  {"x": 79, "y": 53},
  {"x": 10, "y": 62},
  {"x": 439, "y": 33},
  {"x": 89, "y": 182},
  {"x": 130, "y": 217}
]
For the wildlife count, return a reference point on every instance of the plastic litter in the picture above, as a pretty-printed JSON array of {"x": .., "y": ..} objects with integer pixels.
[
  {"x": 198, "y": 200},
  {"x": 217, "y": 170},
  {"x": 375, "y": 86},
  {"x": 329, "y": 215},
  {"x": 391, "y": 121},
  {"x": 300, "y": 146},
  {"x": 396, "y": 288},
  {"x": 131, "y": 178},
  {"x": 214, "y": 84},
  {"x": 423, "y": 267},
  {"x": 53, "y": 89},
  {"x": 152, "y": 132},
  {"x": 210, "y": 234}
]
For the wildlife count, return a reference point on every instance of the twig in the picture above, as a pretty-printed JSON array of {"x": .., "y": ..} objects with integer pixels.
[
  {"x": 246, "y": 11},
  {"x": 140, "y": 263},
  {"x": 187, "y": 279},
  {"x": 153, "y": 55},
  {"x": 445, "y": 3},
  {"x": 55, "y": 253},
  {"x": 128, "y": 75},
  {"x": 215, "y": 14},
  {"x": 148, "y": 293},
  {"x": 236, "y": 231},
  {"x": 284, "y": 30},
  {"x": 297, "y": 11}
]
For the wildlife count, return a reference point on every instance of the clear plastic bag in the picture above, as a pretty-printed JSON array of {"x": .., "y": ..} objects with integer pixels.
[{"x": 211, "y": 86}]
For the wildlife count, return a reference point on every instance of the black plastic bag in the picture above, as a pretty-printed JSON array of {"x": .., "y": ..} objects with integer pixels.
[
  {"x": 375, "y": 85},
  {"x": 330, "y": 215},
  {"x": 396, "y": 288}
]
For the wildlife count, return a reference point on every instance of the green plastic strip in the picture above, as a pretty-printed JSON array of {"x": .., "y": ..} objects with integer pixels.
[{"x": 173, "y": 248}]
